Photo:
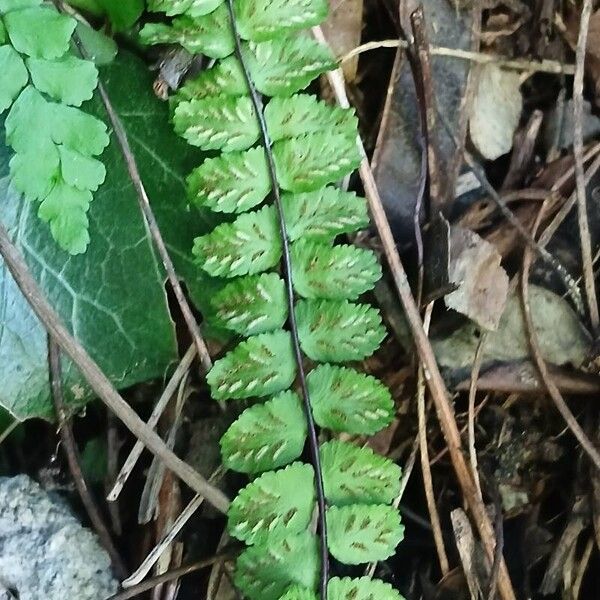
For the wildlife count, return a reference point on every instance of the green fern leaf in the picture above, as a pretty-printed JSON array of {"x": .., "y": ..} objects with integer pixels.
[
  {"x": 354, "y": 475},
  {"x": 217, "y": 123},
  {"x": 338, "y": 331},
  {"x": 13, "y": 76},
  {"x": 302, "y": 114},
  {"x": 9, "y": 5},
  {"x": 194, "y": 8},
  {"x": 363, "y": 588},
  {"x": 333, "y": 272},
  {"x": 260, "y": 366},
  {"x": 309, "y": 162},
  {"x": 359, "y": 534},
  {"x": 265, "y": 572},
  {"x": 345, "y": 400},
  {"x": 225, "y": 78},
  {"x": 39, "y": 32},
  {"x": 69, "y": 79},
  {"x": 284, "y": 66},
  {"x": 297, "y": 592},
  {"x": 266, "y": 436},
  {"x": 264, "y": 19},
  {"x": 275, "y": 505},
  {"x": 209, "y": 34},
  {"x": 253, "y": 304},
  {"x": 231, "y": 183},
  {"x": 323, "y": 214},
  {"x": 35, "y": 173},
  {"x": 249, "y": 245},
  {"x": 80, "y": 171}
]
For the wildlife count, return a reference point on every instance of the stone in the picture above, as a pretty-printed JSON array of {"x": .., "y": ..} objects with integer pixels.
[{"x": 44, "y": 551}]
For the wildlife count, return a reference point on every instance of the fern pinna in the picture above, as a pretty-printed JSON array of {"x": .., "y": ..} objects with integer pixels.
[{"x": 291, "y": 290}]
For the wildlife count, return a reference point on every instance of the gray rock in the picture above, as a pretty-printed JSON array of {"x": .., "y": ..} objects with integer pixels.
[{"x": 44, "y": 551}]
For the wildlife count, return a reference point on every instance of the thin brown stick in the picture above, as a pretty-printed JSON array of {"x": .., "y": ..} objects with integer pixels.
[
  {"x": 434, "y": 516},
  {"x": 157, "y": 411},
  {"x": 98, "y": 381},
  {"x": 433, "y": 376},
  {"x": 540, "y": 363},
  {"x": 171, "y": 575},
  {"x": 583, "y": 565},
  {"x": 582, "y": 216},
  {"x": 471, "y": 412},
  {"x": 73, "y": 459}
]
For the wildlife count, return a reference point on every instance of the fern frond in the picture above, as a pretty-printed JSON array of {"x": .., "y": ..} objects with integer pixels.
[
  {"x": 231, "y": 183},
  {"x": 218, "y": 123},
  {"x": 359, "y": 533},
  {"x": 333, "y": 272},
  {"x": 265, "y": 436},
  {"x": 297, "y": 592},
  {"x": 54, "y": 142},
  {"x": 264, "y": 572},
  {"x": 338, "y": 331},
  {"x": 260, "y": 366},
  {"x": 275, "y": 505},
  {"x": 363, "y": 588},
  {"x": 194, "y": 8},
  {"x": 249, "y": 245},
  {"x": 251, "y": 305},
  {"x": 302, "y": 114},
  {"x": 354, "y": 475},
  {"x": 225, "y": 78},
  {"x": 262, "y": 19},
  {"x": 308, "y": 162},
  {"x": 345, "y": 400},
  {"x": 323, "y": 214}
]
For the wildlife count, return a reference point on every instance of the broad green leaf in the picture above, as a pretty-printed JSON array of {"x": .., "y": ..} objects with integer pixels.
[
  {"x": 360, "y": 533},
  {"x": 264, "y": 19},
  {"x": 338, "y": 331},
  {"x": 363, "y": 588},
  {"x": 249, "y": 245},
  {"x": 122, "y": 13},
  {"x": 308, "y": 162},
  {"x": 218, "y": 123},
  {"x": 324, "y": 214},
  {"x": 274, "y": 506},
  {"x": 8, "y": 5},
  {"x": 107, "y": 297},
  {"x": 65, "y": 209},
  {"x": 230, "y": 183},
  {"x": 266, "y": 436},
  {"x": 209, "y": 35},
  {"x": 284, "y": 66},
  {"x": 345, "y": 400},
  {"x": 225, "y": 78},
  {"x": 297, "y": 592},
  {"x": 100, "y": 48},
  {"x": 302, "y": 114},
  {"x": 69, "y": 79},
  {"x": 13, "y": 76},
  {"x": 354, "y": 475},
  {"x": 260, "y": 366},
  {"x": 252, "y": 304},
  {"x": 40, "y": 32},
  {"x": 264, "y": 572},
  {"x": 35, "y": 172},
  {"x": 194, "y": 8},
  {"x": 81, "y": 171},
  {"x": 333, "y": 272}
]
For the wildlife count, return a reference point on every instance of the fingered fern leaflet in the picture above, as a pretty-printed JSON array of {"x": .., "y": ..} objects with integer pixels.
[{"x": 292, "y": 290}]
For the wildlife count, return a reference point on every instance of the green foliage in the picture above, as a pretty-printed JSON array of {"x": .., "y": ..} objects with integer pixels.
[
  {"x": 274, "y": 505},
  {"x": 360, "y": 533},
  {"x": 345, "y": 400},
  {"x": 195, "y": 8},
  {"x": 333, "y": 272},
  {"x": 338, "y": 331},
  {"x": 55, "y": 143},
  {"x": 312, "y": 144},
  {"x": 262, "y": 365},
  {"x": 363, "y": 588},
  {"x": 266, "y": 436},
  {"x": 265, "y": 571},
  {"x": 354, "y": 475}
]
